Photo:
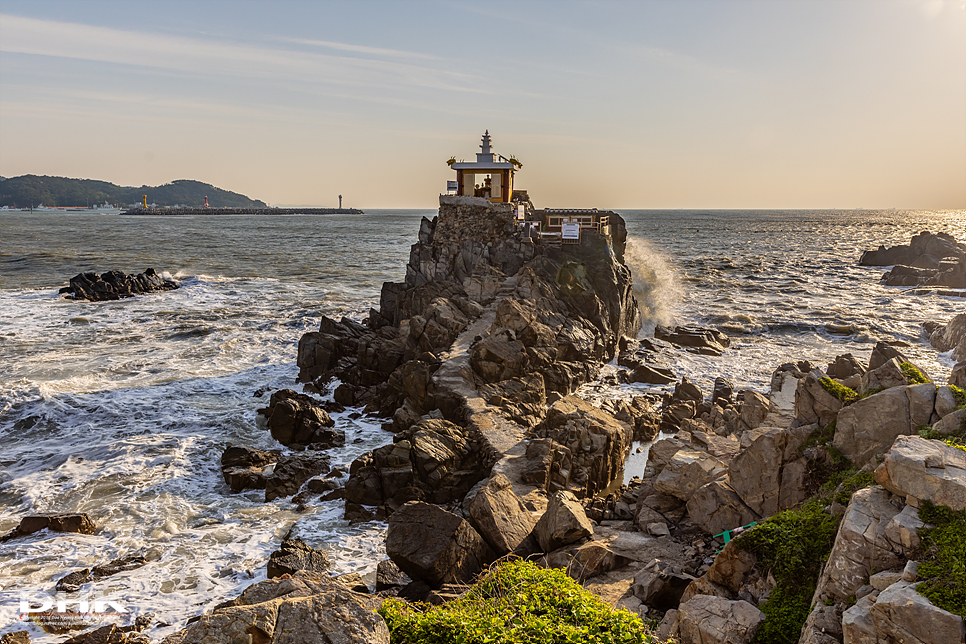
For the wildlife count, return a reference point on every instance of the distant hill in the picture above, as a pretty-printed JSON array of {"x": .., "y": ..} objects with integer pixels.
[{"x": 32, "y": 190}]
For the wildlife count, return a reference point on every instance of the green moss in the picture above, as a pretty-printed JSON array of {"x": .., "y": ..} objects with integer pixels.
[
  {"x": 844, "y": 394},
  {"x": 912, "y": 372},
  {"x": 944, "y": 553},
  {"x": 842, "y": 485},
  {"x": 960, "y": 396},
  {"x": 792, "y": 545},
  {"x": 516, "y": 602}
]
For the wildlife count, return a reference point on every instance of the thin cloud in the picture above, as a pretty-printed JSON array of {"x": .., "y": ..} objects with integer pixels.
[
  {"x": 30, "y": 36},
  {"x": 361, "y": 49}
]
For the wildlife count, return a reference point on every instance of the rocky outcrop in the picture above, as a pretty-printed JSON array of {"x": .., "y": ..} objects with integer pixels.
[
  {"x": 294, "y": 555},
  {"x": 296, "y": 419},
  {"x": 304, "y": 608},
  {"x": 707, "y": 619},
  {"x": 951, "y": 337},
  {"x": 243, "y": 468},
  {"x": 114, "y": 285},
  {"x": 709, "y": 342},
  {"x": 434, "y": 460},
  {"x": 80, "y": 523},
  {"x": 926, "y": 250},
  {"x": 434, "y": 545},
  {"x": 292, "y": 471},
  {"x": 73, "y": 581},
  {"x": 588, "y": 448}
]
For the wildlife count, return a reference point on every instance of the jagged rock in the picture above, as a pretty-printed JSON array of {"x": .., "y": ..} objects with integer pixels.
[
  {"x": 857, "y": 624},
  {"x": 952, "y": 337},
  {"x": 822, "y": 626},
  {"x": 73, "y": 581},
  {"x": 883, "y": 353},
  {"x": 758, "y": 474},
  {"x": 860, "y": 546},
  {"x": 755, "y": 407},
  {"x": 844, "y": 366},
  {"x": 687, "y": 390},
  {"x": 243, "y": 467},
  {"x": 586, "y": 560},
  {"x": 925, "y": 250},
  {"x": 813, "y": 403},
  {"x": 902, "y": 531},
  {"x": 434, "y": 545},
  {"x": 294, "y": 555},
  {"x": 660, "y": 589},
  {"x": 687, "y": 471},
  {"x": 716, "y": 507},
  {"x": 522, "y": 399},
  {"x": 705, "y": 619},
  {"x": 564, "y": 522},
  {"x": 500, "y": 516},
  {"x": 724, "y": 391},
  {"x": 302, "y": 609},
  {"x": 592, "y": 446},
  {"x": 389, "y": 576},
  {"x": 887, "y": 375},
  {"x": 111, "y": 634},
  {"x": 926, "y": 470},
  {"x": 80, "y": 523},
  {"x": 946, "y": 402},
  {"x": 901, "y": 614},
  {"x": 15, "y": 637},
  {"x": 113, "y": 285},
  {"x": 708, "y": 342},
  {"x": 870, "y": 426},
  {"x": 292, "y": 471},
  {"x": 298, "y": 419}
]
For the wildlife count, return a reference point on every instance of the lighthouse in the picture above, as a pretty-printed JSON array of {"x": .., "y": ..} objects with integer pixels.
[{"x": 490, "y": 176}]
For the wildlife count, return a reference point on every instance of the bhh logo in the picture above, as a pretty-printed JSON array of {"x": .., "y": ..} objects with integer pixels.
[{"x": 43, "y": 602}]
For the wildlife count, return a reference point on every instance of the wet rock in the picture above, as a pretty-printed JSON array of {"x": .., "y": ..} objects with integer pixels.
[
  {"x": 292, "y": 471},
  {"x": 723, "y": 392},
  {"x": 80, "y": 523},
  {"x": 73, "y": 581},
  {"x": 952, "y": 337},
  {"x": 696, "y": 340},
  {"x": 434, "y": 545},
  {"x": 925, "y": 250},
  {"x": 294, "y": 555},
  {"x": 298, "y": 419},
  {"x": 114, "y": 285},
  {"x": 243, "y": 467}
]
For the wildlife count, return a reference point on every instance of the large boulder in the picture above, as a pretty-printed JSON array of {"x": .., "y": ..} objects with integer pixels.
[
  {"x": 814, "y": 402},
  {"x": 888, "y": 374},
  {"x": 564, "y": 522},
  {"x": 925, "y": 469},
  {"x": 243, "y": 468},
  {"x": 709, "y": 342},
  {"x": 687, "y": 471},
  {"x": 951, "y": 337},
  {"x": 869, "y": 426},
  {"x": 706, "y": 619},
  {"x": 292, "y": 471},
  {"x": 298, "y": 419},
  {"x": 901, "y": 614},
  {"x": 716, "y": 507},
  {"x": 302, "y": 609},
  {"x": 860, "y": 547},
  {"x": 760, "y": 473},
  {"x": 434, "y": 545},
  {"x": 500, "y": 516},
  {"x": 294, "y": 555}
]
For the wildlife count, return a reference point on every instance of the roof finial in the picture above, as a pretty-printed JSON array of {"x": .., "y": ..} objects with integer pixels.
[{"x": 486, "y": 142}]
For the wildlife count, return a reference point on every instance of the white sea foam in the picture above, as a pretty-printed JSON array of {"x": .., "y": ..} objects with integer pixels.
[{"x": 656, "y": 285}]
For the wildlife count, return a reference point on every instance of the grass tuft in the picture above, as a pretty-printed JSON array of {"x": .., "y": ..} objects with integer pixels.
[
  {"x": 912, "y": 372},
  {"x": 516, "y": 602},
  {"x": 944, "y": 551},
  {"x": 845, "y": 395}
]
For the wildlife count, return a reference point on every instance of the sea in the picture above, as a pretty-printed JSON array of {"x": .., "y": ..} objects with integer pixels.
[{"x": 123, "y": 409}]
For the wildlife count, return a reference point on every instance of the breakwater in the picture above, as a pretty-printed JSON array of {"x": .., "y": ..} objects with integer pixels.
[{"x": 242, "y": 211}]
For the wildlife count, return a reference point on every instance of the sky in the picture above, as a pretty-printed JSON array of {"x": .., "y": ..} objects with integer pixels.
[{"x": 646, "y": 104}]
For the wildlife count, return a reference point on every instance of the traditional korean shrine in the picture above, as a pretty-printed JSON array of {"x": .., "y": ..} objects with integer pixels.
[{"x": 490, "y": 176}]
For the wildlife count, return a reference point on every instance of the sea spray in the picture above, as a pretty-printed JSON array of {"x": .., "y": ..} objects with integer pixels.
[{"x": 656, "y": 285}]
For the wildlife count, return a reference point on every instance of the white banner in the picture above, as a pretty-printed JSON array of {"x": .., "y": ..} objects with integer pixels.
[{"x": 570, "y": 230}]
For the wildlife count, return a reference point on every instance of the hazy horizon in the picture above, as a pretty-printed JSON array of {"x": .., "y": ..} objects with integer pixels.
[{"x": 653, "y": 105}]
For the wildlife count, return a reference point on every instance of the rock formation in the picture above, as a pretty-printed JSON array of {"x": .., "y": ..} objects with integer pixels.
[
  {"x": 114, "y": 285},
  {"x": 929, "y": 260}
]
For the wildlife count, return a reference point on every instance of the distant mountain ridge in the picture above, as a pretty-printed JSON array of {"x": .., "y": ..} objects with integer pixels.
[{"x": 32, "y": 190}]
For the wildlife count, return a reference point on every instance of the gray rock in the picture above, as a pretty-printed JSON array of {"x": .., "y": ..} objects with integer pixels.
[
  {"x": 500, "y": 516},
  {"x": 705, "y": 619},
  {"x": 292, "y": 471},
  {"x": 813, "y": 404},
  {"x": 870, "y": 426},
  {"x": 857, "y": 624},
  {"x": 687, "y": 471},
  {"x": 925, "y": 469},
  {"x": 294, "y": 555},
  {"x": 901, "y": 614},
  {"x": 716, "y": 507},
  {"x": 885, "y": 376}
]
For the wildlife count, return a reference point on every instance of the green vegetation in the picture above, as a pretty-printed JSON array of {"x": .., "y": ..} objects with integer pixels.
[
  {"x": 820, "y": 436},
  {"x": 31, "y": 190},
  {"x": 793, "y": 545},
  {"x": 944, "y": 551},
  {"x": 960, "y": 396},
  {"x": 912, "y": 372},
  {"x": 843, "y": 484},
  {"x": 516, "y": 602},
  {"x": 844, "y": 394}
]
